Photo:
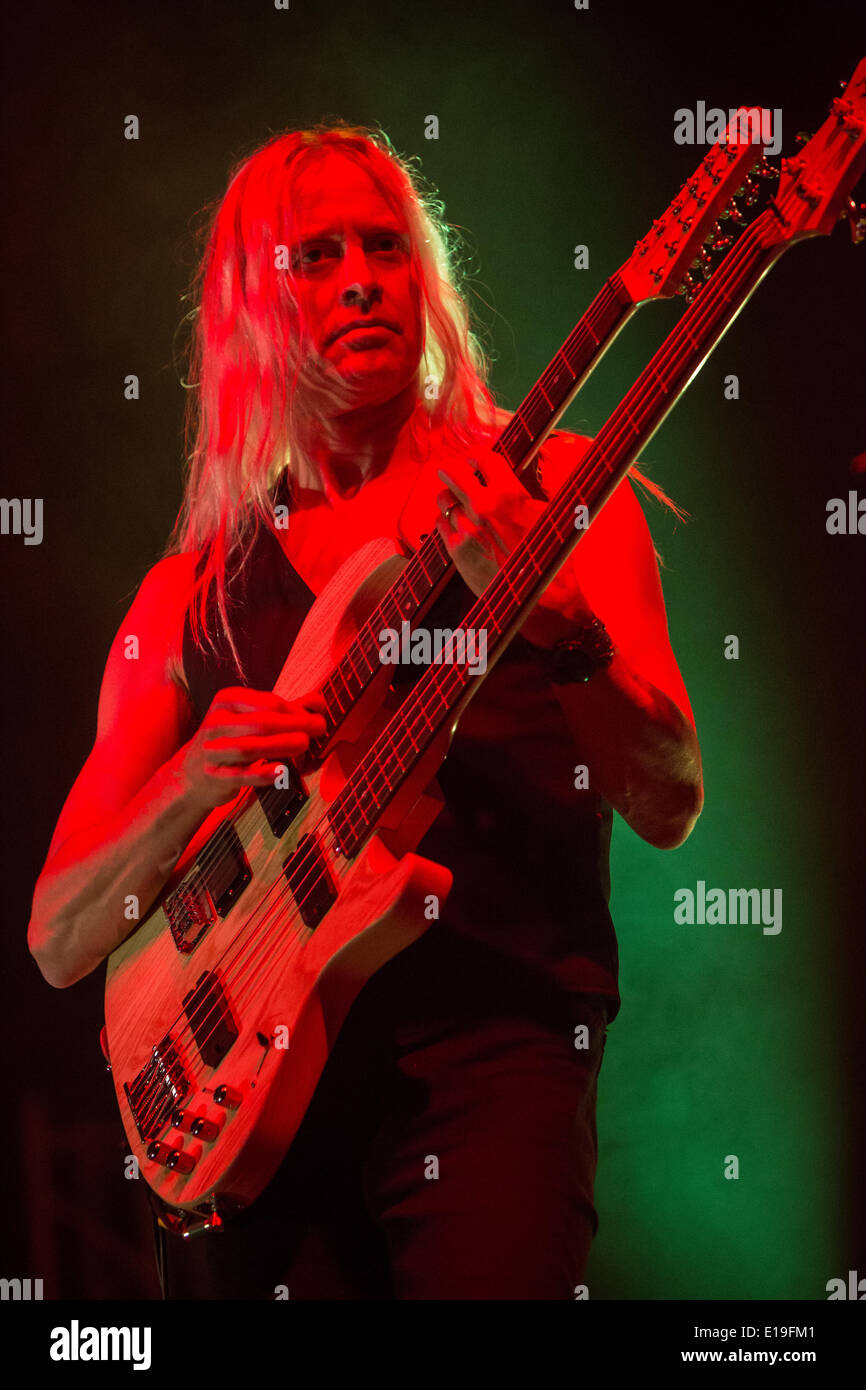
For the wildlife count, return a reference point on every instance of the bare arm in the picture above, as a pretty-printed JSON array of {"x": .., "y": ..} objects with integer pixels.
[
  {"x": 633, "y": 718},
  {"x": 148, "y": 783}
]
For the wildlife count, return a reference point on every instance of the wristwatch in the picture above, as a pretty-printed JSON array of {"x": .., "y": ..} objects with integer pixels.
[{"x": 574, "y": 660}]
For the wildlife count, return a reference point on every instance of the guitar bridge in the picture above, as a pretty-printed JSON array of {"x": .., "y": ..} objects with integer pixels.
[{"x": 158, "y": 1089}]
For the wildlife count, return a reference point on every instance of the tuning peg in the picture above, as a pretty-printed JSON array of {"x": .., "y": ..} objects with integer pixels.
[
  {"x": 765, "y": 170},
  {"x": 688, "y": 288}
]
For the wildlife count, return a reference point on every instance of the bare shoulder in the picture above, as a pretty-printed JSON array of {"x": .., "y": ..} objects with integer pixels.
[
  {"x": 144, "y": 714},
  {"x": 621, "y": 521},
  {"x": 146, "y": 654},
  {"x": 160, "y": 607}
]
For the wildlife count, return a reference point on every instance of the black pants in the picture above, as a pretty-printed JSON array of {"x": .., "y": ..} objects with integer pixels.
[{"x": 449, "y": 1151}]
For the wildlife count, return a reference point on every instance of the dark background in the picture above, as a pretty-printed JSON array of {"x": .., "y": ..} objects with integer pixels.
[{"x": 556, "y": 128}]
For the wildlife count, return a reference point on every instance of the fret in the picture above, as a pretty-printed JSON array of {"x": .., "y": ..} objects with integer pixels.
[
  {"x": 417, "y": 744},
  {"x": 415, "y": 597},
  {"x": 368, "y": 645},
  {"x": 555, "y": 374},
  {"x": 430, "y": 563},
  {"x": 334, "y": 712},
  {"x": 605, "y": 461},
  {"x": 518, "y": 417},
  {"x": 562, "y": 357},
  {"x": 695, "y": 342},
  {"x": 503, "y": 446},
  {"x": 348, "y": 658},
  {"x": 422, "y": 711},
  {"x": 535, "y": 413},
  {"x": 633, "y": 426},
  {"x": 337, "y": 675},
  {"x": 661, "y": 381},
  {"x": 506, "y": 580}
]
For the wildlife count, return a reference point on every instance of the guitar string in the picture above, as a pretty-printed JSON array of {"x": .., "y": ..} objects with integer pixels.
[
  {"x": 216, "y": 853},
  {"x": 610, "y": 296},
  {"x": 370, "y": 787},
  {"x": 673, "y": 347},
  {"x": 453, "y": 674},
  {"x": 249, "y": 801}
]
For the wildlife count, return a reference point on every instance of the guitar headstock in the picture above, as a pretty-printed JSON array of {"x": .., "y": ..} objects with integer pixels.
[
  {"x": 659, "y": 265},
  {"x": 814, "y": 185}
]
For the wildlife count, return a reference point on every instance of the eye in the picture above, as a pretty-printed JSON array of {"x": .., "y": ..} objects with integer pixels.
[
  {"x": 312, "y": 255},
  {"x": 389, "y": 244}
]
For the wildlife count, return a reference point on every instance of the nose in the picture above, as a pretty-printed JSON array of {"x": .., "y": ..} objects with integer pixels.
[
  {"x": 360, "y": 288},
  {"x": 358, "y": 296}
]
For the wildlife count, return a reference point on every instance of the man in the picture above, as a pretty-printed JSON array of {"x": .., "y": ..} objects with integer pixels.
[{"x": 450, "y": 1149}]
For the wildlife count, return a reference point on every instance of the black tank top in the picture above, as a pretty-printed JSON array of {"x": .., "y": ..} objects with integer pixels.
[{"x": 529, "y": 853}]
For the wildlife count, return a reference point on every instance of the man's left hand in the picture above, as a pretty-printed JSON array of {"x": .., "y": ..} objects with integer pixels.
[{"x": 486, "y": 511}]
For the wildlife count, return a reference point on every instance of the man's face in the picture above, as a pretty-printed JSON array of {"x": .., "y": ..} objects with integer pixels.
[{"x": 351, "y": 262}]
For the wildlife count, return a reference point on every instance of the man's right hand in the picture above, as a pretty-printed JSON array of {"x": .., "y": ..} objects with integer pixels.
[{"x": 243, "y": 741}]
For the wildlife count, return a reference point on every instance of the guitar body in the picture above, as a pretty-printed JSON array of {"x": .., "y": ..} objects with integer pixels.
[{"x": 254, "y": 1000}]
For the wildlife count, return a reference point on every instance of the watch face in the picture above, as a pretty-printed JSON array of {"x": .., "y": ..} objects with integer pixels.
[
  {"x": 571, "y": 663},
  {"x": 577, "y": 659}
]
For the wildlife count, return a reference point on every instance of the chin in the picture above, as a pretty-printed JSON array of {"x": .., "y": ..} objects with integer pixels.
[{"x": 375, "y": 388}]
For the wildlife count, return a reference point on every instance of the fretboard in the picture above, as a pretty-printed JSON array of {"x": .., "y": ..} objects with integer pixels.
[{"x": 442, "y": 692}]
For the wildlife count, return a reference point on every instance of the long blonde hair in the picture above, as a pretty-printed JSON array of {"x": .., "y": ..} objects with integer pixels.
[{"x": 247, "y": 421}]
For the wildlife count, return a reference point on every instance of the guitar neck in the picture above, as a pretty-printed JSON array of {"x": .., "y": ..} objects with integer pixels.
[
  {"x": 430, "y": 565},
  {"x": 443, "y": 691}
]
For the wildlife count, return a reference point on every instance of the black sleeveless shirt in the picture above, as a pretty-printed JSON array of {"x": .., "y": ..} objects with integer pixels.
[{"x": 529, "y": 852}]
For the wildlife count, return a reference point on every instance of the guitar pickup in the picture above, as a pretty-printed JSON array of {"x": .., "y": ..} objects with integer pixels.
[
  {"x": 210, "y": 1018},
  {"x": 282, "y": 804},
  {"x": 210, "y": 889},
  {"x": 312, "y": 886}
]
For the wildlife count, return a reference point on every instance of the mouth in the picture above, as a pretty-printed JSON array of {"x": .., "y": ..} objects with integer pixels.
[
  {"x": 365, "y": 333},
  {"x": 363, "y": 339}
]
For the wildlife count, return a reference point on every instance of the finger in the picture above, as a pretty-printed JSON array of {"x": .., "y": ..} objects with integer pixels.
[
  {"x": 477, "y": 471},
  {"x": 232, "y": 751},
  {"x": 496, "y": 475},
  {"x": 220, "y": 736},
  {"x": 467, "y": 542},
  {"x": 241, "y": 698},
  {"x": 256, "y": 775},
  {"x": 462, "y": 494},
  {"x": 314, "y": 701},
  {"x": 448, "y": 505}
]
